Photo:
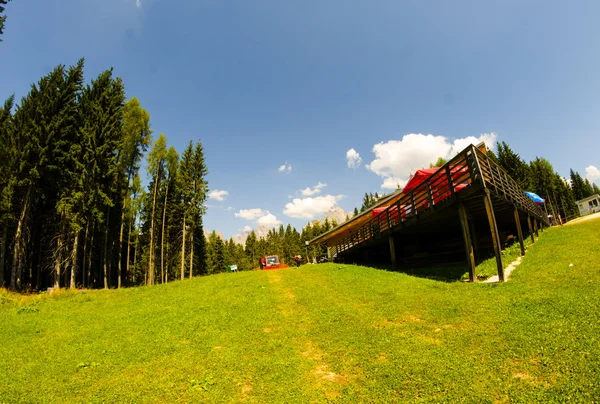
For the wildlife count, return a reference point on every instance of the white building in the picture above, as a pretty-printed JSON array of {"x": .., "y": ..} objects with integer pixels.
[{"x": 588, "y": 205}]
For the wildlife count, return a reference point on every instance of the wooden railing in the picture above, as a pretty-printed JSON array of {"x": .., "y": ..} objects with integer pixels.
[{"x": 470, "y": 168}]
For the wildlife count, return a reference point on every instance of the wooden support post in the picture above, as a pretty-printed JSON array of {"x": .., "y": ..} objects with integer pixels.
[
  {"x": 464, "y": 222},
  {"x": 530, "y": 228},
  {"x": 519, "y": 231},
  {"x": 487, "y": 200},
  {"x": 473, "y": 230},
  {"x": 392, "y": 251},
  {"x": 535, "y": 228}
]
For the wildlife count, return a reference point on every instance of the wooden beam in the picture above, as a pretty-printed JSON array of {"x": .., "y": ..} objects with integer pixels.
[
  {"x": 535, "y": 227},
  {"x": 473, "y": 229},
  {"x": 530, "y": 228},
  {"x": 487, "y": 200},
  {"x": 392, "y": 251},
  {"x": 519, "y": 231},
  {"x": 464, "y": 222}
]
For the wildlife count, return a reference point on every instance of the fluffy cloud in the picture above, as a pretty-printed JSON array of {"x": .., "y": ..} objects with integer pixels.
[
  {"x": 353, "y": 158},
  {"x": 285, "y": 168},
  {"x": 393, "y": 183},
  {"x": 312, "y": 191},
  {"x": 396, "y": 160},
  {"x": 268, "y": 220},
  {"x": 138, "y": 3},
  {"x": 229, "y": 209},
  {"x": 592, "y": 173},
  {"x": 218, "y": 195},
  {"x": 247, "y": 228},
  {"x": 250, "y": 214},
  {"x": 309, "y": 208},
  {"x": 262, "y": 217}
]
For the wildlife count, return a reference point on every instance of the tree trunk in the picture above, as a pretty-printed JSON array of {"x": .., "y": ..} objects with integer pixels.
[
  {"x": 128, "y": 250},
  {"x": 137, "y": 239},
  {"x": 16, "y": 270},
  {"x": 119, "y": 267},
  {"x": 191, "y": 254},
  {"x": 105, "y": 252},
  {"x": 74, "y": 260},
  {"x": 183, "y": 251},
  {"x": 89, "y": 258},
  {"x": 162, "y": 238},
  {"x": 57, "y": 262},
  {"x": 84, "y": 266},
  {"x": 151, "y": 256},
  {"x": 2, "y": 252}
]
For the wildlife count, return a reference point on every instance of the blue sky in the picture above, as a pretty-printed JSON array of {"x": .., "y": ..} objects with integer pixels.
[{"x": 266, "y": 84}]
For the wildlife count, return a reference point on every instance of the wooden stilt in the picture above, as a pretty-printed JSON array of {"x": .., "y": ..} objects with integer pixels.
[
  {"x": 464, "y": 222},
  {"x": 519, "y": 231},
  {"x": 392, "y": 251},
  {"x": 535, "y": 227},
  {"x": 473, "y": 229},
  {"x": 487, "y": 200},
  {"x": 530, "y": 229}
]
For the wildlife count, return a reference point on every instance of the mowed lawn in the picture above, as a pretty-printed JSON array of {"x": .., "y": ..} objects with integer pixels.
[{"x": 319, "y": 333}]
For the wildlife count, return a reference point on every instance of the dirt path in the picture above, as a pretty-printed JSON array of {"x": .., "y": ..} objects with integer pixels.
[{"x": 584, "y": 219}]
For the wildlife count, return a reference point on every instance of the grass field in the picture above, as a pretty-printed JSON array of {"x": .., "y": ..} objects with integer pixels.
[{"x": 319, "y": 333}]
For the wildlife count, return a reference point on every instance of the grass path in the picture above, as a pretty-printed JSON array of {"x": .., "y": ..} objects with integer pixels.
[{"x": 319, "y": 334}]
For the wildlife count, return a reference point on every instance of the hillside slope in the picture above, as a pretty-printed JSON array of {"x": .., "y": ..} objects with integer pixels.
[{"x": 318, "y": 333}]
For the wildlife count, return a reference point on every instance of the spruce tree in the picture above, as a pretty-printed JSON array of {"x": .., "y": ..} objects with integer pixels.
[
  {"x": 156, "y": 169},
  {"x": 2, "y": 17},
  {"x": 7, "y": 166}
]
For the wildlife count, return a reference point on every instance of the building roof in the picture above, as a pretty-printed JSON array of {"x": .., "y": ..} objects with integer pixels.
[
  {"x": 587, "y": 199},
  {"x": 357, "y": 220}
]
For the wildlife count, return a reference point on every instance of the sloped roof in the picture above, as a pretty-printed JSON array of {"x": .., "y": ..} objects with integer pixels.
[{"x": 357, "y": 220}]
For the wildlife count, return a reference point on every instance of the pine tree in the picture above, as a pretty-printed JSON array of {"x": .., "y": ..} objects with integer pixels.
[
  {"x": 136, "y": 139},
  {"x": 156, "y": 169},
  {"x": 514, "y": 165},
  {"x": 7, "y": 165},
  {"x": 198, "y": 193},
  {"x": 588, "y": 190},
  {"x": 2, "y": 17},
  {"x": 577, "y": 184},
  {"x": 355, "y": 212}
]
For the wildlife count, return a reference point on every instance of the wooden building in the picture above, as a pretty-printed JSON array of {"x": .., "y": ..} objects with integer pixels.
[{"x": 465, "y": 209}]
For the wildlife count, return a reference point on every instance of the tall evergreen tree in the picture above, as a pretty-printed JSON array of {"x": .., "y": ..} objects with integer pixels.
[
  {"x": 7, "y": 165},
  {"x": 156, "y": 168},
  {"x": 2, "y": 17},
  {"x": 577, "y": 185},
  {"x": 514, "y": 165}
]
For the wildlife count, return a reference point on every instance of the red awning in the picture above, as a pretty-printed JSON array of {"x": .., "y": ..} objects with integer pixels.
[{"x": 422, "y": 175}]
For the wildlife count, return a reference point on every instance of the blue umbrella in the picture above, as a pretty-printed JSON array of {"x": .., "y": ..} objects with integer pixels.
[{"x": 535, "y": 197}]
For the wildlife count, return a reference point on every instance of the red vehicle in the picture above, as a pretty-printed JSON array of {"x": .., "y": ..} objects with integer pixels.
[{"x": 271, "y": 262}]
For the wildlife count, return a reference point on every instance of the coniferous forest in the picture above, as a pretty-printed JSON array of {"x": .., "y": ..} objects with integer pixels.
[{"x": 73, "y": 211}]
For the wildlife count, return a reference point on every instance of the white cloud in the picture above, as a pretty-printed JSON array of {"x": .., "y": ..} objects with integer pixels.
[
  {"x": 229, "y": 209},
  {"x": 285, "y": 168},
  {"x": 312, "y": 191},
  {"x": 592, "y": 173},
  {"x": 268, "y": 220},
  {"x": 309, "y": 208},
  {"x": 218, "y": 195},
  {"x": 396, "y": 160},
  {"x": 247, "y": 228},
  {"x": 353, "y": 158},
  {"x": 393, "y": 182},
  {"x": 138, "y": 3},
  {"x": 250, "y": 214}
]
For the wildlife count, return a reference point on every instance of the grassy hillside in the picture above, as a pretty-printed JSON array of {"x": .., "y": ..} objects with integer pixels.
[{"x": 317, "y": 334}]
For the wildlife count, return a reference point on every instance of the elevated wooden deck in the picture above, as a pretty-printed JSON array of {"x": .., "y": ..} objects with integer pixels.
[{"x": 469, "y": 186}]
